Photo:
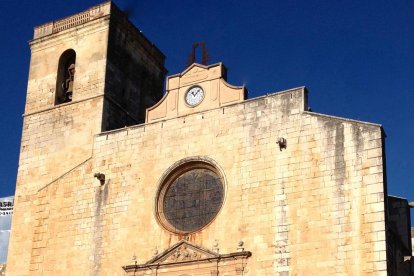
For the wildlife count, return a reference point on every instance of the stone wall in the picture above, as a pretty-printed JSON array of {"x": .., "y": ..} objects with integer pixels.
[
  {"x": 316, "y": 207},
  {"x": 90, "y": 64},
  {"x": 313, "y": 206},
  {"x": 412, "y": 238},
  {"x": 398, "y": 236},
  {"x": 412, "y": 249},
  {"x": 58, "y": 138},
  {"x": 399, "y": 222},
  {"x": 135, "y": 74}
]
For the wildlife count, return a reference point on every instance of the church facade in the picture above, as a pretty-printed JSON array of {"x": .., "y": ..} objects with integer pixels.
[{"x": 116, "y": 179}]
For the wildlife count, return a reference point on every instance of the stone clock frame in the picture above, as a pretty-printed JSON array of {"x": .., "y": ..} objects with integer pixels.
[{"x": 198, "y": 100}]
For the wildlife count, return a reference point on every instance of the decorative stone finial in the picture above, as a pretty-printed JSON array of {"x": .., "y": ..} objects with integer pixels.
[
  {"x": 240, "y": 247},
  {"x": 215, "y": 246}
]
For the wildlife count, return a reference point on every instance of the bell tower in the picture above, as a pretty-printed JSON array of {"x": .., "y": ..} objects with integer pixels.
[{"x": 90, "y": 72}]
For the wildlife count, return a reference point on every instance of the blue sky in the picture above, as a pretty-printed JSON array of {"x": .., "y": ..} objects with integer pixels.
[{"x": 355, "y": 57}]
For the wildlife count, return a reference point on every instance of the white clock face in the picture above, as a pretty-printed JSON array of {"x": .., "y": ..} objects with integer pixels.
[{"x": 194, "y": 96}]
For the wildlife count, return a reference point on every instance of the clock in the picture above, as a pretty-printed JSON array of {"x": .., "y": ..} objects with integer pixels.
[{"x": 194, "y": 96}]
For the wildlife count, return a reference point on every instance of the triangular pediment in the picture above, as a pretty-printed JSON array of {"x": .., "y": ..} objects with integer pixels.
[
  {"x": 187, "y": 257},
  {"x": 182, "y": 251}
]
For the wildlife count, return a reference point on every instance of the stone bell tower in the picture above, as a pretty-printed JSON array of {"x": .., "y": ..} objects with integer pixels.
[{"x": 90, "y": 72}]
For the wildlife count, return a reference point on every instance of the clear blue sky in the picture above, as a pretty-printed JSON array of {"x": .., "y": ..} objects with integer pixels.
[{"x": 355, "y": 57}]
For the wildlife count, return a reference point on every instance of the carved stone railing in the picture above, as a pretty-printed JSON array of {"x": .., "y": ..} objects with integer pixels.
[{"x": 72, "y": 21}]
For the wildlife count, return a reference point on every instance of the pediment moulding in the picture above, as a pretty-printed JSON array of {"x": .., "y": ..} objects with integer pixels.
[
  {"x": 196, "y": 89},
  {"x": 184, "y": 255}
]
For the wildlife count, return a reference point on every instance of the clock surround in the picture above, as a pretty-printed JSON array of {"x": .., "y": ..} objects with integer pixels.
[{"x": 194, "y": 96}]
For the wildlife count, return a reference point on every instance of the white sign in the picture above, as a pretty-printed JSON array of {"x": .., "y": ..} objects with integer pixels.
[
  {"x": 6, "y": 211},
  {"x": 6, "y": 208}
]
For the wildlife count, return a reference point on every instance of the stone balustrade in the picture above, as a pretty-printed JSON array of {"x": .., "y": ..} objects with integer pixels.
[{"x": 72, "y": 21}]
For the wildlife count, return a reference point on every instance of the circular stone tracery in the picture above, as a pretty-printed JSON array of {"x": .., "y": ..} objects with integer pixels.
[{"x": 190, "y": 198}]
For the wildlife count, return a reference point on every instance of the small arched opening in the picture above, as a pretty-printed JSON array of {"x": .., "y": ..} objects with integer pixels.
[{"x": 65, "y": 77}]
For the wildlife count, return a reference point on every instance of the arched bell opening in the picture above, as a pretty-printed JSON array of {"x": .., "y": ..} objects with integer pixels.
[{"x": 65, "y": 77}]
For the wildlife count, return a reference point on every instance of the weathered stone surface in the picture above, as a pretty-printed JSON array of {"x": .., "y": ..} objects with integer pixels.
[
  {"x": 211, "y": 79},
  {"x": 58, "y": 138},
  {"x": 314, "y": 207}
]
